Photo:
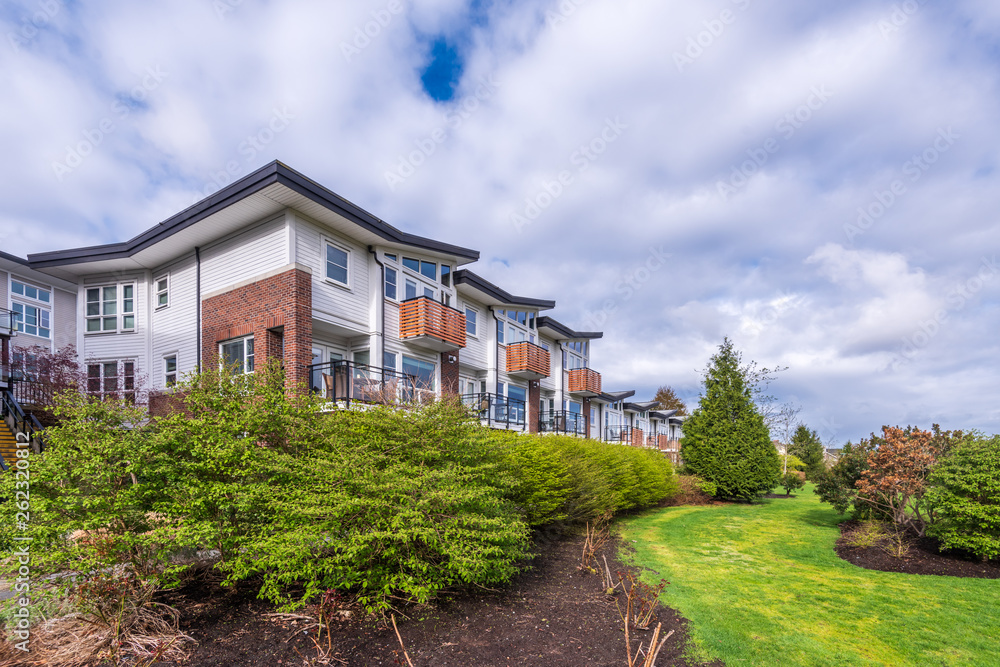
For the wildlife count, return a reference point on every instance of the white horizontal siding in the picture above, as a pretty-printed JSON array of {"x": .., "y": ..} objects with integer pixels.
[
  {"x": 331, "y": 302},
  {"x": 551, "y": 383},
  {"x": 63, "y": 319},
  {"x": 257, "y": 250},
  {"x": 476, "y": 352},
  {"x": 392, "y": 322},
  {"x": 175, "y": 327}
]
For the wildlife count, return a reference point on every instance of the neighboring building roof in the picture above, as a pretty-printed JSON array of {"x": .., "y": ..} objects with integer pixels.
[
  {"x": 640, "y": 407},
  {"x": 562, "y": 332},
  {"x": 496, "y": 296},
  {"x": 284, "y": 186},
  {"x": 662, "y": 414},
  {"x": 13, "y": 258},
  {"x": 614, "y": 396}
]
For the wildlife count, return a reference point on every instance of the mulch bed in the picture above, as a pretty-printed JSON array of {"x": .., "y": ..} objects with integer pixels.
[
  {"x": 552, "y": 615},
  {"x": 924, "y": 557}
]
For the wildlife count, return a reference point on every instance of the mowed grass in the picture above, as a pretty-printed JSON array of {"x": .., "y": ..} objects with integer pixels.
[{"x": 762, "y": 585}]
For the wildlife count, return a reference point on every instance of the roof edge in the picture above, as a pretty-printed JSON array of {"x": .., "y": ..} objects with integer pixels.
[{"x": 467, "y": 277}]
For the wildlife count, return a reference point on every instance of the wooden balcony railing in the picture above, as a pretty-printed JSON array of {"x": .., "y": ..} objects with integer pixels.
[
  {"x": 433, "y": 324},
  {"x": 526, "y": 358},
  {"x": 584, "y": 381}
]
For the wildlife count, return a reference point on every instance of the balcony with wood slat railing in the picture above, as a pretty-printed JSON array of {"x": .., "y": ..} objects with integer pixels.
[
  {"x": 427, "y": 323},
  {"x": 584, "y": 382},
  {"x": 528, "y": 361}
]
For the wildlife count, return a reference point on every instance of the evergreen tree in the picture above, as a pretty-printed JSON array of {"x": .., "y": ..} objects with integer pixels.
[
  {"x": 807, "y": 446},
  {"x": 725, "y": 440}
]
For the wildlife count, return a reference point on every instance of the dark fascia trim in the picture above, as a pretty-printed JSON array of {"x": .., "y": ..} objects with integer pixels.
[
  {"x": 466, "y": 277},
  {"x": 615, "y": 396},
  {"x": 13, "y": 258},
  {"x": 662, "y": 414},
  {"x": 275, "y": 172},
  {"x": 640, "y": 407},
  {"x": 566, "y": 332}
]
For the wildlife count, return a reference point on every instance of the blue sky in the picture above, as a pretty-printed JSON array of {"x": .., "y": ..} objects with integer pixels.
[{"x": 817, "y": 181}]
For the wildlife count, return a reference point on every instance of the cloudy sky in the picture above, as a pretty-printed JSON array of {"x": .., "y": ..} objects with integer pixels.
[{"x": 817, "y": 181}]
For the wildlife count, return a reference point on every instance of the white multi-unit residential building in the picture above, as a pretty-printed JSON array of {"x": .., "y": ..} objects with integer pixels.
[{"x": 276, "y": 266}]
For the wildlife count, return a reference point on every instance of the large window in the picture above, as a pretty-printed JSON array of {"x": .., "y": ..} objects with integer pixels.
[
  {"x": 424, "y": 371},
  {"x": 237, "y": 355},
  {"x": 516, "y": 326},
  {"x": 33, "y": 309},
  {"x": 338, "y": 264},
  {"x": 111, "y": 379},
  {"x": 391, "y": 277},
  {"x": 111, "y": 308}
]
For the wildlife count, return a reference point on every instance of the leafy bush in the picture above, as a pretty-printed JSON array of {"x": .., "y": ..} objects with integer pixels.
[
  {"x": 838, "y": 485},
  {"x": 966, "y": 495},
  {"x": 725, "y": 440},
  {"x": 792, "y": 462},
  {"x": 867, "y": 534},
  {"x": 792, "y": 481}
]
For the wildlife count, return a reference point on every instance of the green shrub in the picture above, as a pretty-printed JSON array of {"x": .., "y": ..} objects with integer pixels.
[
  {"x": 792, "y": 481},
  {"x": 868, "y": 534},
  {"x": 838, "y": 485},
  {"x": 965, "y": 494},
  {"x": 793, "y": 462}
]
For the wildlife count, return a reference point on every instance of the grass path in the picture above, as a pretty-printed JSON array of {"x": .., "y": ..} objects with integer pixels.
[{"x": 762, "y": 585}]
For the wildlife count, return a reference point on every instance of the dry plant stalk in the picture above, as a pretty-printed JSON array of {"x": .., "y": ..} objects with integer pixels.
[
  {"x": 597, "y": 537},
  {"x": 401, "y": 645},
  {"x": 607, "y": 579},
  {"x": 640, "y": 606}
]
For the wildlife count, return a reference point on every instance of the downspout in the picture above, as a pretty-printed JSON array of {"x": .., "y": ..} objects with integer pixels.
[
  {"x": 381, "y": 334},
  {"x": 197, "y": 289}
]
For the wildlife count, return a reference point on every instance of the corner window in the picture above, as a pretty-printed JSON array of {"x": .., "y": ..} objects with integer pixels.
[
  {"x": 162, "y": 292},
  {"x": 446, "y": 275},
  {"x": 111, "y": 308},
  {"x": 338, "y": 262},
  {"x": 170, "y": 370},
  {"x": 391, "y": 277},
  {"x": 111, "y": 379},
  {"x": 471, "y": 321},
  {"x": 237, "y": 355}
]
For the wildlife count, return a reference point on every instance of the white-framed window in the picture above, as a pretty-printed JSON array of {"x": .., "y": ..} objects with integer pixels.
[
  {"x": 389, "y": 361},
  {"x": 33, "y": 308},
  {"x": 338, "y": 264},
  {"x": 471, "y": 321},
  {"x": 162, "y": 287},
  {"x": 170, "y": 370},
  {"x": 111, "y": 308},
  {"x": 237, "y": 354},
  {"x": 111, "y": 379},
  {"x": 391, "y": 283},
  {"x": 414, "y": 288},
  {"x": 516, "y": 326}
]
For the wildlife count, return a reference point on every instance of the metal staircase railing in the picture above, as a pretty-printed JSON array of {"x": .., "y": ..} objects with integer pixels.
[{"x": 19, "y": 422}]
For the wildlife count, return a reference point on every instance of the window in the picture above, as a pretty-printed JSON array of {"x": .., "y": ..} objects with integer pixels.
[
  {"x": 412, "y": 264},
  {"x": 446, "y": 275},
  {"x": 170, "y": 370},
  {"x": 111, "y": 308},
  {"x": 389, "y": 360},
  {"x": 237, "y": 355},
  {"x": 423, "y": 370},
  {"x": 337, "y": 264},
  {"x": 471, "y": 321},
  {"x": 429, "y": 270},
  {"x": 111, "y": 379},
  {"x": 390, "y": 257},
  {"x": 390, "y": 283},
  {"x": 500, "y": 330},
  {"x": 32, "y": 317},
  {"x": 162, "y": 292}
]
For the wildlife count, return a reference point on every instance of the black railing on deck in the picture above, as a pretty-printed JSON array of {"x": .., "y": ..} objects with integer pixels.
[
  {"x": 349, "y": 381},
  {"x": 563, "y": 421},
  {"x": 621, "y": 434},
  {"x": 495, "y": 410}
]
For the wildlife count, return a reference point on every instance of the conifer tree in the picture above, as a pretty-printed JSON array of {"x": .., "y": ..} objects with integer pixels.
[
  {"x": 725, "y": 440},
  {"x": 807, "y": 446}
]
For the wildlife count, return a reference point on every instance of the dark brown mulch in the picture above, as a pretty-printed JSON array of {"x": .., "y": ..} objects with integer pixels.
[
  {"x": 551, "y": 616},
  {"x": 924, "y": 557}
]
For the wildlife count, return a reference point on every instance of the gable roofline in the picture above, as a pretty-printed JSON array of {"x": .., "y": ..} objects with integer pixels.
[
  {"x": 480, "y": 284},
  {"x": 564, "y": 332},
  {"x": 274, "y": 173}
]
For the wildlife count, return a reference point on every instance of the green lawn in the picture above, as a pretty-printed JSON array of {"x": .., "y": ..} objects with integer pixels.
[{"x": 762, "y": 585}]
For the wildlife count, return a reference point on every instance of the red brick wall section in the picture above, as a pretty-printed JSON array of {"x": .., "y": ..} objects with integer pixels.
[
  {"x": 449, "y": 373},
  {"x": 285, "y": 301},
  {"x": 586, "y": 417},
  {"x": 534, "y": 399},
  {"x": 638, "y": 437}
]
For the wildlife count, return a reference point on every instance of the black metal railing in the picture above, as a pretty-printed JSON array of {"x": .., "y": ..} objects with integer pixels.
[
  {"x": 622, "y": 434},
  {"x": 348, "y": 381},
  {"x": 564, "y": 422},
  {"x": 31, "y": 393},
  {"x": 497, "y": 411},
  {"x": 25, "y": 426}
]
